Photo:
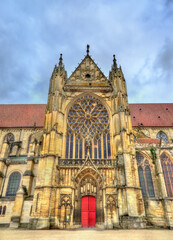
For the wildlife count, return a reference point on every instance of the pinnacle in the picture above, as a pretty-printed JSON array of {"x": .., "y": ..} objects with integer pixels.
[
  {"x": 60, "y": 60},
  {"x": 114, "y": 62}
]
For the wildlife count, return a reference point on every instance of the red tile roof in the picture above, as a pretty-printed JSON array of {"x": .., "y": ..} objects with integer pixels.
[
  {"x": 148, "y": 140},
  {"x": 152, "y": 114},
  {"x": 28, "y": 115},
  {"x": 22, "y": 115}
]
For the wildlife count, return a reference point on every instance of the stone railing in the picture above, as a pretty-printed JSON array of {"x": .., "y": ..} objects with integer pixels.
[{"x": 79, "y": 162}]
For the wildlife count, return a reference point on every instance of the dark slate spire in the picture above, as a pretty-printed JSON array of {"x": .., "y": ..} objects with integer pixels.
[{"x": 88, "y": 47}]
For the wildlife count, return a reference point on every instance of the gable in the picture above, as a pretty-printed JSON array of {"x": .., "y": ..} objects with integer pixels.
[{"x": 86, "y": 76}]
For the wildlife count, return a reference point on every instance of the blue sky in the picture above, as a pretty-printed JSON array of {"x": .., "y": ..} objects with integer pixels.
[{"x": 33, "y": 33}]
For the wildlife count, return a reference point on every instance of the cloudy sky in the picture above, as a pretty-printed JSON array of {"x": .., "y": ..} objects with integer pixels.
[{"x": 34, "y": 32}]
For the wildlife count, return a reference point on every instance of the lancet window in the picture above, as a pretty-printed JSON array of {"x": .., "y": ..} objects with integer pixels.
[
  {"x": 145, "y": 177},
  {"x": 88, "y": 121},
  {"x": 167, "y": 166}
]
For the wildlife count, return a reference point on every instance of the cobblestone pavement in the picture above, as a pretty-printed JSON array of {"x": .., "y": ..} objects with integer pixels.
[{"x": 6, "y": 234}]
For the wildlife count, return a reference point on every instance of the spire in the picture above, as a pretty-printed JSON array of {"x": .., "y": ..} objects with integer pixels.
[
  {"x": 88, "y": 47},
  {"x": 114, "y": 66},
  {"x": 60, "y": 60}
]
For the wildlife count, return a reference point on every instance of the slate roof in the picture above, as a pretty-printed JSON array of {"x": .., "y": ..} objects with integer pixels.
[{"x": 30, "y": 115}]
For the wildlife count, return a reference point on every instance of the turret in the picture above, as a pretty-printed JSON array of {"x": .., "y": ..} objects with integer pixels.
[
  {"x": 53, "y": 126},
  {"x": 56, "y": 85}
]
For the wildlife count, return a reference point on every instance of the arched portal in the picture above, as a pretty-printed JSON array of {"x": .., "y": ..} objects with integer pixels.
[{"x": 88, "y": 209}]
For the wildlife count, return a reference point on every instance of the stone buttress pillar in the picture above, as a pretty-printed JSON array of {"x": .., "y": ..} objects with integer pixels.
[
  {"x": 44, "y": 209},
  {"x": 3, "y": 167},
  {"x": 125, "y": 153},
  {"x": 17, "y": 209}
]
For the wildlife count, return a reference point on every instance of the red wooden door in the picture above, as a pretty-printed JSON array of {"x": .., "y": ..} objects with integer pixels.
[{"x": 88, "y": 211}]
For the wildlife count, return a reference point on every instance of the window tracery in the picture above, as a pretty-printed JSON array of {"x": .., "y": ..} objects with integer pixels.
[
  {"x": 167, "y": 167},
  {"x": 88, "y": 118},
  {"x": 163, "y": 136},
  {"x": 65, "y": 209},
  {"x": 145, "y": 177}
]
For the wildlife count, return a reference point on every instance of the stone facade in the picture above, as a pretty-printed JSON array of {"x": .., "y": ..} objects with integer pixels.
[{"x": 63, "y": 162}]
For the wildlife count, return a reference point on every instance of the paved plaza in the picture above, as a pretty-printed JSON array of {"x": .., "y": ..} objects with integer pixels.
[{"x": 89, "y": 234}]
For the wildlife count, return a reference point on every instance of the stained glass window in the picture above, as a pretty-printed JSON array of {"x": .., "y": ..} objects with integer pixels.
[
  {"x": 167, "y": 166},
  {"x": 88, "y": 118},
  {"x": 142, "y": 181},
  {"x": 13, "y": 184},
  {"x": 149, "y": 182},
  {"x": 145, "y": 177},
  {"x": 163, "y": 136}
]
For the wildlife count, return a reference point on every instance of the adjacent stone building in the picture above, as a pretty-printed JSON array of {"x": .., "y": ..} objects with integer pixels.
[{"x": 88, "y": 158}]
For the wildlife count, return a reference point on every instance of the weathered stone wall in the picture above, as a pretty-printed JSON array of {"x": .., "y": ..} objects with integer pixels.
[
  {"x": 26, "y": 213},
  {"x": 20, "y": 134}
]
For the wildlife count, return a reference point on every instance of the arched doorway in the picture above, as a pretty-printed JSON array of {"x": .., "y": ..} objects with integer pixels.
[
  {"x": 88, "y": 211},
  {"x": 88, "y": 207}
]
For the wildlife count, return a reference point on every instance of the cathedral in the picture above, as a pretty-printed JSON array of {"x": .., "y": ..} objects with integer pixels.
[{"x": 88, "y": 158}]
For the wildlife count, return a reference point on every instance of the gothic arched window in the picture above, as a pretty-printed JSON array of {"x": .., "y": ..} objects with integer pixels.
[
  {"x": 145, "y": 177},
  {"x": 13, "y": 184},
  {"x": 88, "y": 121},
  {"x": 167, "y": 166},
  {"x": 9, "y": 138},
  {"x": 163, "y": 136}
]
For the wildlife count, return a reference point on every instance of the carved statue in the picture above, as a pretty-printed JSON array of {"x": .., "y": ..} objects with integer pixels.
[{"x": 88, "y": 142}]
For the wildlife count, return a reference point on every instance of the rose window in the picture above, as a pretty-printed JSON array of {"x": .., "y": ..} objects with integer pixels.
[{"x": 88, "y": 119}]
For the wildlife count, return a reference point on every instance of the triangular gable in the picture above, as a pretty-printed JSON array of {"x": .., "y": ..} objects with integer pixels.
[
  {"x": 88, "y": 163},
  {"x": 87, "y": 75},
  {"x": 88, "y": 167}
]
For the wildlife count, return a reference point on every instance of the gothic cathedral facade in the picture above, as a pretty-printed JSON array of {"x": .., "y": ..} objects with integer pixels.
[{"x": 92, "y": 164}]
